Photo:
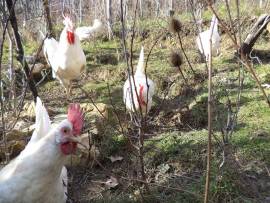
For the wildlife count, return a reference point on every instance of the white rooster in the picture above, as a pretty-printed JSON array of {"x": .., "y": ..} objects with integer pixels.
[
  {"x": 85, "y": 32},
  {"x": 38, "y": 173},
  {"x": 145, "y": 89},
  {"x": 203, "y": 40},
  {"x": 66, "y": 57}
]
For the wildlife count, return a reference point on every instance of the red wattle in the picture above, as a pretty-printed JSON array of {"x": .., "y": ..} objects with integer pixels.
[
  {"x": 70, "y": 37},
  {"x": 68, "y": 148},
  {"x": 141, "y": 100}
]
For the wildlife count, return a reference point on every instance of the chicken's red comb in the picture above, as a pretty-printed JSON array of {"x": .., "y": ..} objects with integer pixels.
[
  {"x": 75, "y": 116},
  {"x": 67, "y": 21}
]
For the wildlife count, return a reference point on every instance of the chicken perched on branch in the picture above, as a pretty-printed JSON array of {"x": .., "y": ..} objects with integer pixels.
[
  {"x": 38, "y": 173},
  {"x": 141, "y": 96},
  {"x": 85, "y": 32},
  {"x": 66, "y": 57},
  {"x": 203, "y": 40}
]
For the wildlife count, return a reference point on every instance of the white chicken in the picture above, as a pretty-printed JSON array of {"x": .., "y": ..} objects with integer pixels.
[
  {"x": 66, "y": 57},
  {"x": 145, "y": 89},
  {"x": 85, "y": 32},
  {"x": 38, "y": 173},
  {"x": 203, "y": 40}
]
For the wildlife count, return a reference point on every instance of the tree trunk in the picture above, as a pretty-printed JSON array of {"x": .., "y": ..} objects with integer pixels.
[
  {"x": 170, "y": 11},
  {"x": 254, "y": 34},
  {"x": 80, "y": 10},
  {"x": 141, "y": 8},
  {"x": 109, "y": 17},
  {"x": 186, "y": 5},
  {"x": 198, "y": 13},
  {"x": 20, "y": 51},
  {"x": 157, "y": 7},
  {"x": 12, "y": 79},
  {"x": 48, "y": 18},
  {"x": 171, "y": 5},
  {"x": 125, "y": 7},
  {"x": 261, "y": 3}
]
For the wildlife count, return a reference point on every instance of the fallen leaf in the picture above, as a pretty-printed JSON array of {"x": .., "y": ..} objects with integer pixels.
[
  {"x": 115, "y": 158},
  {"x": 112, "y": 182}
]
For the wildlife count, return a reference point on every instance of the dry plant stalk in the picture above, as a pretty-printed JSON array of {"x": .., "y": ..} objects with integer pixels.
[
  {"x": 175, "y": 26},
  {"x": 176, "y": 61},
  {"x": 209, "y": 108},
  {"x": 139, "y": 117}
]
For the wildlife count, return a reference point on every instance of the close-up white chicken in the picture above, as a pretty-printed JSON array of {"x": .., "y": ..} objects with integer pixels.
[
  {"x": 203, "y": 40},
  {"x": 145, "y": 88},
  {"x": 38, "y": 173},
  {"x": 66, "y": 57}
]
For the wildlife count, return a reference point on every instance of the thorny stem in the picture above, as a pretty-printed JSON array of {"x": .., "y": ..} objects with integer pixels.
[
  {"x": 141, "y": 126},
  {"x": 130, "y": 77}
]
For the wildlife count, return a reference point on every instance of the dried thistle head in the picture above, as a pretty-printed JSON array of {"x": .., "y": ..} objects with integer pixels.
[
  {"x": 176, "y": 59},
  {"x": 175, "y": 25}
]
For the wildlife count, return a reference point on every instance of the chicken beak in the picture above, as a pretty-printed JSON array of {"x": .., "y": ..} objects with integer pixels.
[
  {"x": 76, "y": 140},
  {"x": 72, "y": 139}
]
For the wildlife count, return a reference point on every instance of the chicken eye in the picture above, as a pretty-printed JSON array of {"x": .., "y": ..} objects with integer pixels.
[{"x": 65, "y": 130}]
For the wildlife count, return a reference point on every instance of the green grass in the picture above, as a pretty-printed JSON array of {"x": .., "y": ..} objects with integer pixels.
[{"x": 182, "y": 148}]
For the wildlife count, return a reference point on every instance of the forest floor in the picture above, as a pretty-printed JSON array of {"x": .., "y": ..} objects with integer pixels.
[{"x": 176, "y": 138}]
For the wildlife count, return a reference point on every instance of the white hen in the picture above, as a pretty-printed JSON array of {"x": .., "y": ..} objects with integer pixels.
[
  {"x": 66, "y": 58},
  {"x": 203, "y": 40},
  {"x": 145, "y": 89},
  {"x": 85, "y": 32},
  {"x": 38, "y": 173}
]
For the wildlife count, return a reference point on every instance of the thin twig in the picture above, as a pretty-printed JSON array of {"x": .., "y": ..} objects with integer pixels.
[
  {"x": 209, "y": 149},
  {"x": 184, "y": 52}
]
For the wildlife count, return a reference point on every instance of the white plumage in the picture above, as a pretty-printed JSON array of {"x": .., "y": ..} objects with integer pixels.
[
  {"x": 66, "y": 57},
  {"x": 203, "y": 40},
  {"x": 85, "y": 32},
  {"x": 145, "y": 89},
  {"x": 38, "y": 173}
]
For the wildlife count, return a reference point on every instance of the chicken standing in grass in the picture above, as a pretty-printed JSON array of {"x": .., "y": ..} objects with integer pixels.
[
  {"x": 66, "y": 57},
  {"x": 145, "y": 87},
  {"x": 203, "y": 40},
  {"x": 38, "y": 173}
]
